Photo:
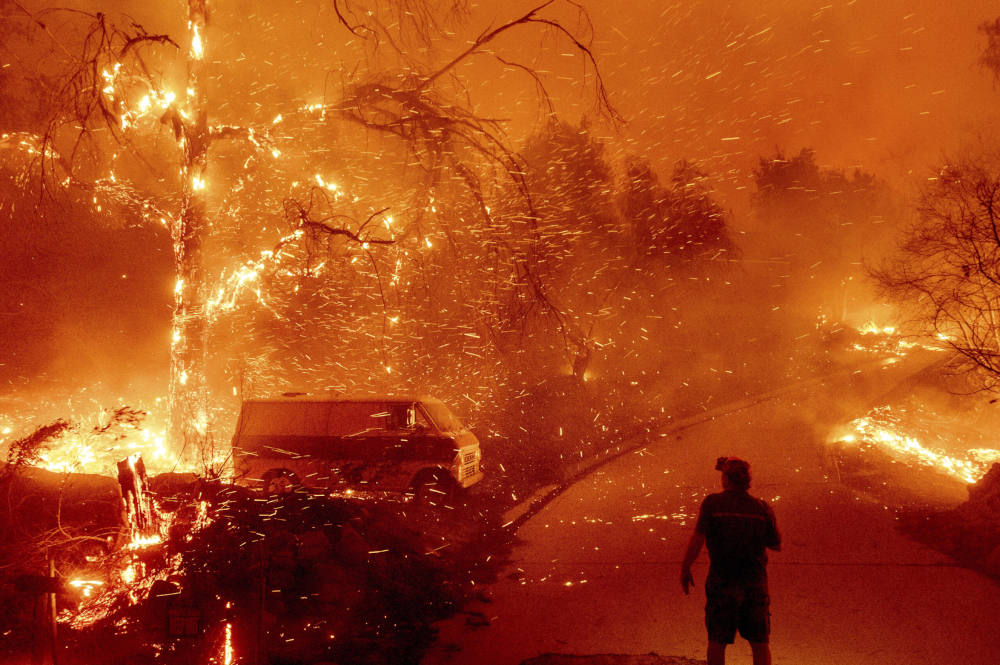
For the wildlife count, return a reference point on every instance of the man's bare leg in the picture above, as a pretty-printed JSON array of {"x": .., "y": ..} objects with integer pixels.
[
  {"x": 717, "y": 653},
  {"x": 761, "y": 653}
]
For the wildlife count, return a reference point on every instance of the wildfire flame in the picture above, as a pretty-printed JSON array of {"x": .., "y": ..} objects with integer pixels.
[
  {"x": 227, "y": 649},
  {"x": 883, "y": 339},
  {"x": 883, "y": 427}
]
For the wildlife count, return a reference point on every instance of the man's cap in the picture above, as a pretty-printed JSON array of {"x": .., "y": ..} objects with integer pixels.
[{"x": 736, "y": 470}]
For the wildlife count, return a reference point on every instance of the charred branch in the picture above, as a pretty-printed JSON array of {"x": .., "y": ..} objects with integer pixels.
[
  {"x": 531, "y": 17},
  {"x": 301, "y": 216}
]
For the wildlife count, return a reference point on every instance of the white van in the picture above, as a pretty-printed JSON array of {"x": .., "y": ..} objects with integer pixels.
[{"x": 411, "y": 445}]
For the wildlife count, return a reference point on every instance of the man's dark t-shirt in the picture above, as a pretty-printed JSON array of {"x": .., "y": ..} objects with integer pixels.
[{"x": 737, "y": 529}]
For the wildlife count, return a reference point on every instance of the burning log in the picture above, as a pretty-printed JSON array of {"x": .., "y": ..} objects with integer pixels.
[
  {"x": 134, "y": 485},
  {"x": 141, "y": 522}
]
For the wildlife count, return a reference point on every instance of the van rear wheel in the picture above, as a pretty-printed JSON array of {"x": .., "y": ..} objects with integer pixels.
[{"x": 278, "y": 482}]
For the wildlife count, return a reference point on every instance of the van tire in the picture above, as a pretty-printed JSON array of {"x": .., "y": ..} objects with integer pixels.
[
  {"x": 278, "y": 482},
  {"x": 433, "y": 489}
]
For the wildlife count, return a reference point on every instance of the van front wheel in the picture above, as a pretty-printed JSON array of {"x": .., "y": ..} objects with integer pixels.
[{"x": 277, "y": 482}]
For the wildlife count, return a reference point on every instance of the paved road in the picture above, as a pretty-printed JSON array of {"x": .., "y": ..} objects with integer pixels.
[{"x": 597, "y": 570}]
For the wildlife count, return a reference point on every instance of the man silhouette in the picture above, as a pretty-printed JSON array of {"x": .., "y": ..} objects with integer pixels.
[{"x": 738, "y": 529}]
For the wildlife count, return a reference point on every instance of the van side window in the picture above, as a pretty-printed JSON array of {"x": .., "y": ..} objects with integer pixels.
[{"x": 396, "y": 417}]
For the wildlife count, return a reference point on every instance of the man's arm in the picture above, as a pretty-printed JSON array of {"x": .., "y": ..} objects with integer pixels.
[{"x": 693, "y": 550}]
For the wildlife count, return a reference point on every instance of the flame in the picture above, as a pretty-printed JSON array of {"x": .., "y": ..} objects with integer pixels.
[
  {"x": 86, "y": 587},
  {"x": 142, "y": 542},
  {"x": 247, "y": 276},
  {"x": 197, "y": 48},
  {"x": 883, "y": 428},
  {"x": 227, "y": 649},
  {"x": 98, "y": 441},
  {"x": 872, "y": 328}
]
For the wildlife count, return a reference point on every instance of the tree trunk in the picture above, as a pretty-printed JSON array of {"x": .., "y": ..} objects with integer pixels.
[{"x": 188, "y": 391}]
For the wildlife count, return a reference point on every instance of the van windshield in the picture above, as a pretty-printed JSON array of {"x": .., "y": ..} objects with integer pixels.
[{"x": 441, "y": 416}]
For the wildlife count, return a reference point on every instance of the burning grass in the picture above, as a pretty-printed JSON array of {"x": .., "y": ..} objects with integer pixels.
[{"x": 912, "y": 440}]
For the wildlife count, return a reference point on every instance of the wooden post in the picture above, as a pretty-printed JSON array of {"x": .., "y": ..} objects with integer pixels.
[{"x": 51, "y": 615}]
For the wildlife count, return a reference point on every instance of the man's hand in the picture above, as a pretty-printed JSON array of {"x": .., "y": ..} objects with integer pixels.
[
  {"x": 687, "y": 579},
  {"x": 694, "y": 547}
]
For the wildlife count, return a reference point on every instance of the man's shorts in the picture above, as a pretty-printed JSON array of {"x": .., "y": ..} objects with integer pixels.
[{"x": 731, "y": 607}]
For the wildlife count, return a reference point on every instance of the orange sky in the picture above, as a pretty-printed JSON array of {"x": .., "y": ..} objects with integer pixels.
[{"x": 890, "y": 86}]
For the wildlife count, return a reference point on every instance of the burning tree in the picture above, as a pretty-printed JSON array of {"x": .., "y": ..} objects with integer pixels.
[{"x": 132, "y": 125}]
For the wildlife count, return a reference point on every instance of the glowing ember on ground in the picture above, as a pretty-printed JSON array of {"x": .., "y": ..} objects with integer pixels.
[
  {"x": 679, "y": 517},
  {"x": 882, "y": 339},
  {"x": 886, "y": 429},
  {"x": 872, "y": 328}
]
